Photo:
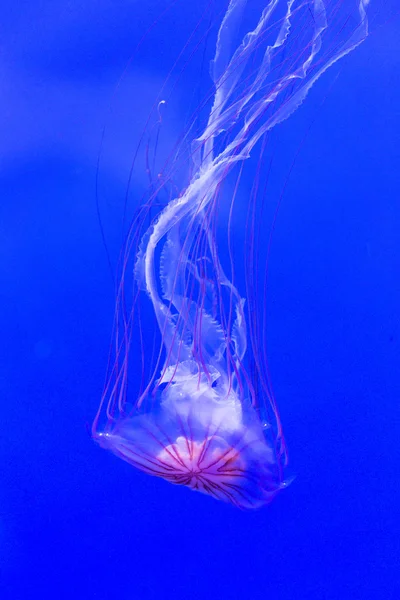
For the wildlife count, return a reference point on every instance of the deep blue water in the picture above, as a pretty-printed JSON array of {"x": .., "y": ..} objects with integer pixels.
[{"x": 76, "y": 522}]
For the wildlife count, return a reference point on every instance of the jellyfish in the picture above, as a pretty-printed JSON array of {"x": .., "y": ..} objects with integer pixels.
[{"x": 204, "y": 414}]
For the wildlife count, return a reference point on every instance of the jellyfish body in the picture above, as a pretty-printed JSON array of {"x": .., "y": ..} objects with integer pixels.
[
  {"x": 202, "y": 437},
  {"x": 206, "y": 416}
]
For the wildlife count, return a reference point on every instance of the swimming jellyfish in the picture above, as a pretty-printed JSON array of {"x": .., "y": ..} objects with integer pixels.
[{"x": 204, "y": 414}]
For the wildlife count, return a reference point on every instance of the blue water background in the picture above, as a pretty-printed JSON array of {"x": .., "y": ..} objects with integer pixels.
[{"x": 76, "y": 522}]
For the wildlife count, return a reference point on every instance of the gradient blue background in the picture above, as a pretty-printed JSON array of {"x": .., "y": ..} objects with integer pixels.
[{"x": 75, "y": 522}]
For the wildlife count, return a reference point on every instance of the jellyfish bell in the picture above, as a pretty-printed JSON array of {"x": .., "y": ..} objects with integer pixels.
[
  {"x": 204, "y": 414},
  {"x": 201, "y": 436}
]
